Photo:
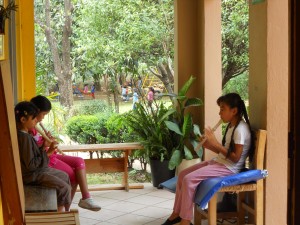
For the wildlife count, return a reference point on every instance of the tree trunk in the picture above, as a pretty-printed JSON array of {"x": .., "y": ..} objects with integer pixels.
[
  {"x": 62, "y": 61},
  {"x": 116, "y": 99},
  {"x": 165, "y": 73}
]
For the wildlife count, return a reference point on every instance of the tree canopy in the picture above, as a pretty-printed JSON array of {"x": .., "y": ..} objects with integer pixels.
[{"x": 92, "y": 39}]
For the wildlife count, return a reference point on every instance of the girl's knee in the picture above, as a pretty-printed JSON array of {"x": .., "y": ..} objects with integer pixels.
[{"x": 79, "y": 163}]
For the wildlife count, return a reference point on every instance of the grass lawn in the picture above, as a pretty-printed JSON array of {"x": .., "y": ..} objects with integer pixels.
[{"x": 135, "y": 176}]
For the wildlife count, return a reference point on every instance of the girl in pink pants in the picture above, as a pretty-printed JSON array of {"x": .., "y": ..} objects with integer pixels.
[
  {"x": 73, "y": 166},
  {"x": 236, "y": 145}
]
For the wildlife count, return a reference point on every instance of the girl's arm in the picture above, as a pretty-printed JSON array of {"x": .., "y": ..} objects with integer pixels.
[
  {"x": 30, "y": 154},
  {"x": 212, "y": 144}
]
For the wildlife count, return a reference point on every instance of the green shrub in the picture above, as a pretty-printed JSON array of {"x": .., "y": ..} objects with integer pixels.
[
  {"x": 118, "y": 132},
  {"x": 83, "y": 129},
  {"x": 88, "y": 129}
]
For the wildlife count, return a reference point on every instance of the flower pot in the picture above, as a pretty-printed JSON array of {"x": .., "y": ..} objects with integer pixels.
[
  {"x": 186, "y": 163},
  {"x": 160, "y": 171}
]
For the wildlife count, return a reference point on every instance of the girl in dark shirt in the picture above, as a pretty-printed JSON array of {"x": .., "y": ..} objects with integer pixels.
[{"x": 34, "y": 161}]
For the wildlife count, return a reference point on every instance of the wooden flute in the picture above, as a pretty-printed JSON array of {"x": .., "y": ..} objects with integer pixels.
[
  {"x": 43, "y": 133},
  {"x": 204, "y": 139}
]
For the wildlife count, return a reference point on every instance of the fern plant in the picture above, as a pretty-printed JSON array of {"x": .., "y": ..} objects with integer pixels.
[{"x": 149, "y": 128}]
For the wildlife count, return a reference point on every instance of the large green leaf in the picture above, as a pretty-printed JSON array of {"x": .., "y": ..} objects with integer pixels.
[
  {"x": 175, "y": 159},
  {"x": 167, "y": 114},
  {"x": 197, "y": 130},
  {"x": 186, "y": 86},
  {"x": 195, "y": 145},
  {"x": 187, "y": 153},
  {"x": 187, "y": 125},
  {"x": 193, "y": 102},
  {"x": 174, "y": 127}
]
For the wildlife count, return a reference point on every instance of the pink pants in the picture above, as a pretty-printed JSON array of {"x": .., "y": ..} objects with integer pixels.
[
  {"x": 68, "y": 164},
  {"x": 188, "y": 181}
]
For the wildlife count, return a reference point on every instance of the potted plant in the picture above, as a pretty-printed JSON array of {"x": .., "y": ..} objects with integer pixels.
[
  {"x": 5, "y": 14},
  {"x": 186, "y": 133},
  {"x": 152, "y": 132}
]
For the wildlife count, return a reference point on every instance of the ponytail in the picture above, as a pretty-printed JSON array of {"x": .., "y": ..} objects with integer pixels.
[{"x": 233, "y": 100}]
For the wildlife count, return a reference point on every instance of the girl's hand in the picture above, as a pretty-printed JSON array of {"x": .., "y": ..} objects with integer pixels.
[
  {"x": 210, "y": 139},
  {"x": 52, "y": 148},
  {"x": 49, "y": 135}
]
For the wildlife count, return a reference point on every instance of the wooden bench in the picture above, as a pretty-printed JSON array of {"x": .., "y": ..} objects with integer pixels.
[
  {"x": 50, "y": 218},
  {"x": 104, "y": 165},
  {"x": 40, "y": 199}
]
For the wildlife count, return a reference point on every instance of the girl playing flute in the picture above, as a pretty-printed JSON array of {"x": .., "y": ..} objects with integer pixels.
[
  {"x": 34, "y": 162},
  {"x": 236, "y": 145},
  {"x": 72, "y": 165}
]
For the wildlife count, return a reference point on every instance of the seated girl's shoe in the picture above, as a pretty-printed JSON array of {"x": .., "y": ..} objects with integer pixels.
[
  {"x": 171, "y": 222},
  {"x": 89, "y": 204}
]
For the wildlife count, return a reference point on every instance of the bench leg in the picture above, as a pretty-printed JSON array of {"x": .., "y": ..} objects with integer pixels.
[
  {"x": 212, "y": 211},
  {"x": 125, "y": 176}
]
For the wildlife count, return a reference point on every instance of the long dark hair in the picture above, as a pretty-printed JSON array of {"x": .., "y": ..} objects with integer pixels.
[{"x": 234, "y": 100}]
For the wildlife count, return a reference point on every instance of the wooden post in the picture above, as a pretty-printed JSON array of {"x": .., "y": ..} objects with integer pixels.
[{"x": 12, "y": 199}]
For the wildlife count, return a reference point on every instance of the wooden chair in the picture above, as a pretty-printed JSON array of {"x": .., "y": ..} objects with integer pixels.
[
  {"x": 257, "y": 210},
  {"x": 50, "y": 218}
]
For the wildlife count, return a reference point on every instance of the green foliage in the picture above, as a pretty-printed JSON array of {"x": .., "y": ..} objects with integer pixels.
[
  {"x": 235, "y": 39},
  {"x": 117, "y": 130},
  {"x": 181, "y": 124},
  {"x": 56, "y": 118},
  {"x": 149, "y": 128},
  {"x": 84, "y": 129},
  {"x": 239, "y": 85},
  {"x": 89, "y": 107}
]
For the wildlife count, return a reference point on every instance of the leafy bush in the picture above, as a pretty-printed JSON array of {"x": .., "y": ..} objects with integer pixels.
[
  {"x": 89, "y": 107},
  {"x": 104, "y": 127},
  {"x": 117, "y": 130},
  {"x": 84, "y": 129}
]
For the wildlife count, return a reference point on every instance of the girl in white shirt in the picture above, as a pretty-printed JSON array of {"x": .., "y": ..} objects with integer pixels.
[{"x": 236, "y": 145}]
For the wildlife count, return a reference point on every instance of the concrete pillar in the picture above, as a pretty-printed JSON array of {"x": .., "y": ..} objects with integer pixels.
[
  {"x": 198, "y": 53},
  {"x": 269, "y": 97}
]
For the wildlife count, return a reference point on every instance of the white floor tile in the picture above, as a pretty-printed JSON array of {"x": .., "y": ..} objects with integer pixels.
[
  {"x": 154, "y": 212},
  {"x": 124, "y": 206},
  {"x": 146, "y": 200},
  {"x": 130, "y": 219}
]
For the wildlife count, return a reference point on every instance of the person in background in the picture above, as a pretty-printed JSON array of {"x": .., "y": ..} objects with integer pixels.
[
  {"x": 93, "y": 89},
  {"x": 135, "y": 98},
  {"x": 72, "y": 165},
  {"x": 125, "y": 93},
  {"x": 34, "y": 161},
  {"x": 150, "y": 96},
  {"x": 86, "y": 89}
]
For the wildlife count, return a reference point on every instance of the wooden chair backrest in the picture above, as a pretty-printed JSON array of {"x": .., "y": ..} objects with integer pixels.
[{"x": 260, "y": 146}]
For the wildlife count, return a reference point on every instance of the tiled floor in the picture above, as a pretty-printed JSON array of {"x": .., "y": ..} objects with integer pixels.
[{"x": 149, "y": 206}]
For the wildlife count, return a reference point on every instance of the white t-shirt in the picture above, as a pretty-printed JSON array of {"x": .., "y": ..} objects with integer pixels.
[{"x": 241, "y": 136}]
